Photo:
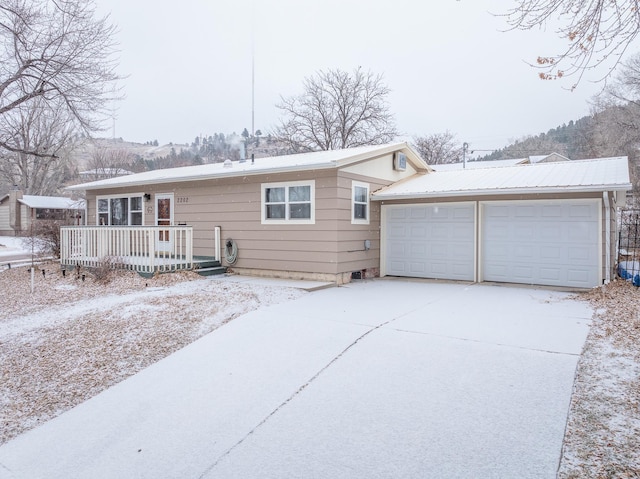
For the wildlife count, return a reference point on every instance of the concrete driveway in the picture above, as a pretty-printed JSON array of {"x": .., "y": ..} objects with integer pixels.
[{"x": 377, "y": 379}]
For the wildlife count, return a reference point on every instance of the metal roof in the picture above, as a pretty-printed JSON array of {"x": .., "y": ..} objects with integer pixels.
[
  {"x": 274, "y": 164},
  {"x": 52, "y": 202},
  {"x": 473, "y": 165},
  {"x": 603, "y": 174}
]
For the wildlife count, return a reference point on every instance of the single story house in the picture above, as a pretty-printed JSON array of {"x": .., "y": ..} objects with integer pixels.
[
  {"x": 18, "y": 212},
  {"x": 369, "y": 211}
]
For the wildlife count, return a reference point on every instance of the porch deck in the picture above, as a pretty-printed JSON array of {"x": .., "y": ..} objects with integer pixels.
[{"x": 144, "y": 249}]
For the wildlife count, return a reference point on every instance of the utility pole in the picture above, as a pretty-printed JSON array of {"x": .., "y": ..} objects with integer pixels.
[{"x": 465, "y": 147}]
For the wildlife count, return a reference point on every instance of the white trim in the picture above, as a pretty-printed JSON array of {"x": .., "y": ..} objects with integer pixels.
[
  {"x": 122, "y": 195},
  {"x": 166, "y": 244},
  {"x": 383, "y": 240},
  {"x": 367, "y": 186},
  {"x": 287, "y": 220},
  {"x": 536, "y": 190},
  {"x": 607, "y": 239}
]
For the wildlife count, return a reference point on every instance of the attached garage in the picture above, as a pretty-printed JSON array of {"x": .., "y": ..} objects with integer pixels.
[
  {"x": 540, "y": 224},
  {"x": 430, "y": 240},
  {"x": 556, "y": 242}
]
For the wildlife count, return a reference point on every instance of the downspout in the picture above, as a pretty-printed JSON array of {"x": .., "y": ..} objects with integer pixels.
[{"x": 607, "y": 227}]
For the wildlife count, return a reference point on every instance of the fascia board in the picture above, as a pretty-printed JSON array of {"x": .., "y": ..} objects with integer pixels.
[{"x": 506, "y": 191}]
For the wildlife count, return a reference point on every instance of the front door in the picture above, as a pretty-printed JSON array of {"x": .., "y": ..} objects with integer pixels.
[{"x": 164, "y": 217}]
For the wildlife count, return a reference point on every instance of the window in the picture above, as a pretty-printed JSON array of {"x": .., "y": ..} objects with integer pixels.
[
  {"x": 359, "y": 203},
  {"x": 51, "y": 214},
  {"x": 288, "y": 202},
  {"x": 120, "y": 211}
]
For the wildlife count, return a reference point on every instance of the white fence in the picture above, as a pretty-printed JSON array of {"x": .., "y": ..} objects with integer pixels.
[{"x": 145, "y": 249}]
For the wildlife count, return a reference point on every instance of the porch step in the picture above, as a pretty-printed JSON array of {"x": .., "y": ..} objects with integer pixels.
[
  {"x": 211, "y": 271},
  {"x": 208, "y": 266}
]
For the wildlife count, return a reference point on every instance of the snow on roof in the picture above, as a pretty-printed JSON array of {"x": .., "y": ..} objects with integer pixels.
[
  {"x": 273, "y": 164},
  {"x": 603, "y": 174},
  {"x": 106, "y": 171},
  {"x": 473, "y": 165},
  {"x": 52, "y": 202}
]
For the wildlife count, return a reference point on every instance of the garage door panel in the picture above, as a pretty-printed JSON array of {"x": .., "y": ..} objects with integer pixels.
[
  {"x": 437, "y": 269},
  {"x": 465, "y": 214},
  {"x": 523, "y": 272},
  {"x": 582, "y": 254},
  {"x": 551, "y": 211},
  {"x": 582, "y": 233},
  {"x": 397, "y": 214},
  {"x": 417, "y": 213},
  {"x": 418, "y": 250},
  {"x": 523, "y": 252},
  {"x": 579, "y": 211},
  {"x": 439, "y": 241},
  {"x": 440, "y": 232},
  {"x": 550, "y": 274},
  {"x": 462, "y": 270},
  {"x": 417, "y": 268},
  {"x": 523, "y": 232},
  {"x": 550, "y": 232},
  {"x": 524, "y": 211},
  {"x": 554, "y": 243},
  {"x": 551, "y": 253},
  {"x": 397, "y": 231},
  {"x": 578, "y": 276}
]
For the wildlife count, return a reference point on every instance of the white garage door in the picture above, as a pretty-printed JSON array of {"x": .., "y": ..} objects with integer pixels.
[
  {"x": 553, "y": 243},
  {"x": 430, "y": 240}
]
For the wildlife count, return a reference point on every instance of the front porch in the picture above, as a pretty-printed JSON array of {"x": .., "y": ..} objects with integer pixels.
[{"x": 144, "y": 249}]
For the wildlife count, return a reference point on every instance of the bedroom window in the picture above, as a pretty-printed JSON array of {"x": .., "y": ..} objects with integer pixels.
[
  {"x": 120, "y": 211},
  {"x": 286, "y": 203},
  {"x": 359, "y": 203}
]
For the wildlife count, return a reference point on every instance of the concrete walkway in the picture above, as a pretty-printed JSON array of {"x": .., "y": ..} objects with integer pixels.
[{"x": 376, "y": 379}]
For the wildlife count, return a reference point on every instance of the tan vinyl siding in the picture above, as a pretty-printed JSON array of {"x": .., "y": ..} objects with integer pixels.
[
  {"x": 352, "y": 255},
  {"x": 4, "y": 219},
  {"x": 234, "y": 204}
]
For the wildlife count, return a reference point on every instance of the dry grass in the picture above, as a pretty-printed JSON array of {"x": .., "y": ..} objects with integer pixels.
[
  {"x": 603, "y": 430},
  {"x": 70, "y": 339}
]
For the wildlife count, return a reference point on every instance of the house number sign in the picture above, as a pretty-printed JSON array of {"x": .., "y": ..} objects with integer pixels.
[{"x": 182, "y": 199}]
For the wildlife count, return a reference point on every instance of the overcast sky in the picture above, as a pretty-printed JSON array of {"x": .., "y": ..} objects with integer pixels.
[{"x": 449, "y": 64}]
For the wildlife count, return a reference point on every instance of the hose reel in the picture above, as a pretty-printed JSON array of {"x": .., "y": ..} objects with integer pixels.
[{"x": 230, "y": 251}]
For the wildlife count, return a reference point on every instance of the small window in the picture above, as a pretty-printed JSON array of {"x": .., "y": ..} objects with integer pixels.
[
  {"x": 359, "y": 203},
  {"x": 288, "y": 203},
  {"x": 50, "y": 214}
]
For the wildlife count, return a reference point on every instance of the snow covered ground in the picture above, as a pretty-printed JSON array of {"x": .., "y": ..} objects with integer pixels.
[{"x": 374, "y": 379}]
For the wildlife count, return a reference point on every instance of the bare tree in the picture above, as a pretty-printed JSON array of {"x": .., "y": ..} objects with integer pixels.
[
  {"x": 438, "y": 148},
  {"x": 47, "y": 130},
  {"x": 616, "y": 114},
  {"x": 337, "y": 110},
  {"x": 599, "y": 32},
  {"x": 108, "y": 162},
  {"x": 59, "y": 55}
]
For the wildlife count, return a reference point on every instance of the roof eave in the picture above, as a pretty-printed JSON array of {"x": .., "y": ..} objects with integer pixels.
[
  {"x": 504, "y": 191},
  {"x": 217, "y": 175}
]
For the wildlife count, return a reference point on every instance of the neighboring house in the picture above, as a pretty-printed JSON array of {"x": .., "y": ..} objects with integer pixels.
[
  {"x": 18, "y": 212},
  {"x": 376, "y": 210},
  {"x": 102, "y": 173},
  {"x": 472, "y": 165}
]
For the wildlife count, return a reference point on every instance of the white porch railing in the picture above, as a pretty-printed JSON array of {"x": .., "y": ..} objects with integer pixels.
[{"x": 145, "y": 249}]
